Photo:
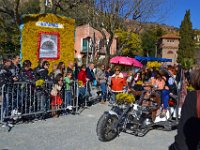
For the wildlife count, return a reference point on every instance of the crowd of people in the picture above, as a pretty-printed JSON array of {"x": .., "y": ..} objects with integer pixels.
[{"x": 113, "y": 79}]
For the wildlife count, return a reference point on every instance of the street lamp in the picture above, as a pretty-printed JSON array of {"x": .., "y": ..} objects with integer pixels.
[
  {"x": 156, "y": 49},
  {"x": 91, "y": 45},
  {"x": 88, "y": 38}
]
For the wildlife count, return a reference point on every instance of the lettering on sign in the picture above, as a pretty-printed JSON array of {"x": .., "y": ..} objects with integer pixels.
[{"x": 49, "y": 25}]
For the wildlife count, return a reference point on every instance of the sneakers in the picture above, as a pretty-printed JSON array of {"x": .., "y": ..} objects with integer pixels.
[
  {"x": 15, "y": 114},
  {"x": 103, "y": 102},
  {"x": 8, "y": 124},
  {"x": 69, "y": 107}
]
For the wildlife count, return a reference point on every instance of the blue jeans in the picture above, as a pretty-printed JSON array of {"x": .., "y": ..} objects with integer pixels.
[
  {"x": 103, "y": 90},
  {"x": 6, "y": 105},
  {"x": 68, "y": 97},
  {"x": 113, "y": 96},
  {"x": 165, "y": 98}
]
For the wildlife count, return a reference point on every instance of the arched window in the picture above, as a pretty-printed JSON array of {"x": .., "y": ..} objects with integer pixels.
[{"x": 170, "y": 52}]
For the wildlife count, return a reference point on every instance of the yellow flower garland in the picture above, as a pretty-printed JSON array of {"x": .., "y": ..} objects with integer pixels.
[
  {"x": 30, "y": 37},
  {"x": 124, "y": 98},
  {"x": 153, "y": 64}
]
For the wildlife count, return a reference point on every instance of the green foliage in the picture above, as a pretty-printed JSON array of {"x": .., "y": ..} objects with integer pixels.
[
  {"x": 9, "y": 29},
  {"x": 186, "y": 46},
  {"x": 29, "y": 7},
  {"x": 150, "y": 37},
  {"x": 129, "y": 43},
  {"x": 187, "y": 63}
]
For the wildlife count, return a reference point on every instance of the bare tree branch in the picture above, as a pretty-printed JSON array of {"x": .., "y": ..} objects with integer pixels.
[{"x": 16, "y": 12}]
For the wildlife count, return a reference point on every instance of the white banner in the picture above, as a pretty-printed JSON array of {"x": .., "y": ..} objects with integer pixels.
[{"x": 49, "y": 25}]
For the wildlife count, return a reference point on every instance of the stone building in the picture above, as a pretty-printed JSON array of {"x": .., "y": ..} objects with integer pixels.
[{"x": 169, "y": 44}]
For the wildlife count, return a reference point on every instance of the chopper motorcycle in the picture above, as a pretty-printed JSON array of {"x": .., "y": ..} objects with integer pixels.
[{"x": 136, "y": 117}]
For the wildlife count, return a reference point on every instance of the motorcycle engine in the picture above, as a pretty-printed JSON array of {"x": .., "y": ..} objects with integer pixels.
[
  {"x": 140, "y": 116},
  {"x": 146, "y": 122}
]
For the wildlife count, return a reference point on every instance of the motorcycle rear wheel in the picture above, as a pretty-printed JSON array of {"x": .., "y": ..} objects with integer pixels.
[{"x": 105, "y": 131}]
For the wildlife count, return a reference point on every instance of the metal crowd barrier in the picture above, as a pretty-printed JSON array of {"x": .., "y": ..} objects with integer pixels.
[
  {"x": 21, "y": 99},
  {"x": 25, "y": 99}
]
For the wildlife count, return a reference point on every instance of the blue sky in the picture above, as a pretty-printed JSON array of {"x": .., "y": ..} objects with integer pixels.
[{"x": 177, "y": 13}]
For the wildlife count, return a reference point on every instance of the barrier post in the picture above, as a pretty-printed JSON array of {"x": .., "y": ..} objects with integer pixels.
[
  {"x": 2, "y": 90},
  {"x": 77, "y": 94}
]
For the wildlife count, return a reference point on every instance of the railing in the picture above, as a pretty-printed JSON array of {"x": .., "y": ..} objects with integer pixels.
[{"x": 25, "y": 99}]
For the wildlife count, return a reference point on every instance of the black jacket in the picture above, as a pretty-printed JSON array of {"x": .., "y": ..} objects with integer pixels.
[
  {"x": 27, "y": 75},
  {"x": 188, "y": 136},
  {"x": 15, "y": 69},
  {"x": 42, "y": 74},
  {"x": 5, "y": 75},
  {"x": 90, "y": 74}
]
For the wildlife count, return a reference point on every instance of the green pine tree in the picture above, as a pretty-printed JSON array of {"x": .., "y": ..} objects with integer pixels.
[{"x": 186, "y": 46}]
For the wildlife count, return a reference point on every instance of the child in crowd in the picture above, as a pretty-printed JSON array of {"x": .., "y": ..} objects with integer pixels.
[
  {"x": 82, "y": 75},
  {"x": 56, "y": 99},
  {"x": 54, "y": 68},
  {"x": 68, "y": 91}
]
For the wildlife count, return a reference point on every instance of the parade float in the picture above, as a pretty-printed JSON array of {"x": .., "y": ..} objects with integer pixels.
[{"x": 47, "y": 36}]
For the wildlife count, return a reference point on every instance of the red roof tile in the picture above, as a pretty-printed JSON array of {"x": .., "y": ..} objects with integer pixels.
[{"x": 170, "y": 36}]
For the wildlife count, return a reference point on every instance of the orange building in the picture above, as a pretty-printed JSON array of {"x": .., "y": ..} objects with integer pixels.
[{"x": 91, "y": 40}]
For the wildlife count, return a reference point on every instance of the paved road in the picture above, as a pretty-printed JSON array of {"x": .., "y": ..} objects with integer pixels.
[{"x": 77, "y": 133}]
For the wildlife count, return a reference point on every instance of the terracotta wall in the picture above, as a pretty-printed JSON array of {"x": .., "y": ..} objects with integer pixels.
[{"x": 87, "y": 31}]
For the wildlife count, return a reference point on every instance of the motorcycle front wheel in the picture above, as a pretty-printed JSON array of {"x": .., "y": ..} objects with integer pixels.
[{"x": 105, "y": 131}]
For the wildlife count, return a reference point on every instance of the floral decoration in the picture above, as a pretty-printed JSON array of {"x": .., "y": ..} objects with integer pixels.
[
  {"x": 152, "y": 64},
  {"x": 30, "y": 36},
  {"x": 124, "y": 98}
]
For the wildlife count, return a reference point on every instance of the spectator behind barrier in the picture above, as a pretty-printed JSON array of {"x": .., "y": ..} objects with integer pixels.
[
  {"x": 82, "y": 75},
  {"x": 40, "y": 62},
  {"x": 26, "y": 73},
  {"x": 52, "y": 74},
  {"x": 56, "y": 99},
  {"x": 102, "y": 79},
  {"x": 15, "y": 66},
  {"x": 60, "y": 69},
  {"x": 6, "y": 75},
  {"x": 70, "y": 68},
  {"x": 90, "y": 72},
  {"x": 42, "y": 73},
  {"x": 68, "y": 90}
]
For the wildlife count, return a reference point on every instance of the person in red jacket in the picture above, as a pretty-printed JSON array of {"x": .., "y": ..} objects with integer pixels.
[
  {"x": 82, "y": 75},
  {"x": 117, "y": 83}
]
